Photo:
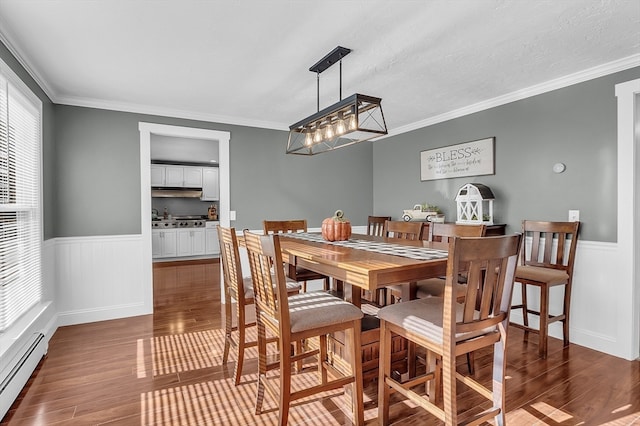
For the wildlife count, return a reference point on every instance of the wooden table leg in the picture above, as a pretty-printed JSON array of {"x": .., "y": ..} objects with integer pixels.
[
  {"x": 409, "y": 291},
  {"x": 353, "y": 294}
]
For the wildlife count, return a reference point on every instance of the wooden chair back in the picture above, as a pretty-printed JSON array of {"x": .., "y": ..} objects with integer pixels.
[
  {"x": 295, "y": 273},
  {"x": 375, "y": 225},
  {"x": 231, "y": 266},
  {"x": 542, "y": 252},
  {"x": 489, "y": 264},
  {"x": 403, "y": 230},
  {"x": 269, "y": 284},
  {"x": 284, "y": 226},
  {"x": 445, "y": 231}
]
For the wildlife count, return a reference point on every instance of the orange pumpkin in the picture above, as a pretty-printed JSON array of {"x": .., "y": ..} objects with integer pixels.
[{"x": 336, "y": 228}]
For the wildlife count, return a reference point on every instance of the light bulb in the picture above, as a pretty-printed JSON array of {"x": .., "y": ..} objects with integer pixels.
[
  {"x": 308, "y": 138},
  {"x": 352, "y": 122},
  {"x": 328, "y": 133},
  {"x": 340, "y": 127},
  {"x": 317, "y": 135}
]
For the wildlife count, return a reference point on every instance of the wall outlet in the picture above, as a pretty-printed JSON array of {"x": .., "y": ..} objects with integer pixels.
[{"x": 574, "y": 215}]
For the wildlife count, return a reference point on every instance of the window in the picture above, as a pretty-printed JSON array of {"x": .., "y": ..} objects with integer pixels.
[{"x": 20, "y": 195}]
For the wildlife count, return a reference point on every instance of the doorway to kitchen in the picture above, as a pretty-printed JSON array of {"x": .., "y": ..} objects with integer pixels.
[{"x": 147, "y": 130}]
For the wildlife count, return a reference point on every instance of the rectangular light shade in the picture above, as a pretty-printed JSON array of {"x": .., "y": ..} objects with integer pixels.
[{"x": 357, "y": 118}]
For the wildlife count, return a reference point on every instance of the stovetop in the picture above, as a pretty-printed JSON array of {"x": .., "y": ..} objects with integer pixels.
[{"x": 180, "y": 222}]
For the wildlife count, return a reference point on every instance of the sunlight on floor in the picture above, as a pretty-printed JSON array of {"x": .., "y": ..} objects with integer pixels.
[
  {"x": 180, "y": 352},
  {"x": 220, "y": 402},
  {"x": 558, "y": 416}
]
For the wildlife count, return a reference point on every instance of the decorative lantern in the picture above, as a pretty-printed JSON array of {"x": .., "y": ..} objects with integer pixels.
[{"x": 475, "y": 204}]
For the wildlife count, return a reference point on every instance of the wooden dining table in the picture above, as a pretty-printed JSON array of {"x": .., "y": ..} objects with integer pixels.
[{"x": 355, "y": 265}]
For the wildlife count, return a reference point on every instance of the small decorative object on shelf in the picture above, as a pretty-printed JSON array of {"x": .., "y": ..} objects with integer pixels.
[
  {"x": 336, "y": 228},
  {"x": 475, "y": 204},
  {"x": 212, "y": 213},
  {"x": 423, "y": 212}
]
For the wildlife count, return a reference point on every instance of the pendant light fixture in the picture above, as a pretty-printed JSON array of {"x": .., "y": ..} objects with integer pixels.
[{"x": 351, "y": 120}]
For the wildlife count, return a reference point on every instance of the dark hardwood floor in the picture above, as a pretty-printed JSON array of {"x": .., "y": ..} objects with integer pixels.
[{"x": 166, "y": 369}]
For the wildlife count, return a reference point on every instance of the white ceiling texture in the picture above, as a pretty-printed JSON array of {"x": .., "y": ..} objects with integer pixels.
[{"x": 247, "y": 62}]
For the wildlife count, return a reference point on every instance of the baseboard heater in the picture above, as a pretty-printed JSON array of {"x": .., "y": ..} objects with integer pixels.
[{"x": 19, "y": 370}]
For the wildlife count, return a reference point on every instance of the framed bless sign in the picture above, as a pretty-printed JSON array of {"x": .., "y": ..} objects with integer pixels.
[{"x": 466, "y": 159}]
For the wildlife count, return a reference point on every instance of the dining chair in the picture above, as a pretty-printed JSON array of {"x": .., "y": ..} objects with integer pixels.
[
  {"x": 239, "y": 289},
  {"x": 294, "y": 272},
  {"x": 443, "y": 232},
  {"x": 299, "y": 317},
  {"x": 547, "y": 262},
  {"x": 447, "y": 328},
  {"x": 401, "y": 230},
  {"x": 375, "y": 225},
  {"x": 434, "y": 287}
]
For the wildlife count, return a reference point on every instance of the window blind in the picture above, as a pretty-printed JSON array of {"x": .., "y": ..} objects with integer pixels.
[{"x": 20, "y": 198}]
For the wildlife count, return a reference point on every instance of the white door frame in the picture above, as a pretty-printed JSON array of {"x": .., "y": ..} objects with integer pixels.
[
  {"x": 146, "y": 130},
  {"x": 628, "y": 314}
]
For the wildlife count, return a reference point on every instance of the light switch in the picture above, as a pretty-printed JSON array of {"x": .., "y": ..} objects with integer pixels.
[
  {"x": 574, "y": 215},
  {"x": 232, "y": 215}
]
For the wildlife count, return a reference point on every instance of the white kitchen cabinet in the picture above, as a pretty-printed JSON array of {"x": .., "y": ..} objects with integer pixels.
[
  {"x": 157, "y": 175},
  {"x": 198, "y": 242},
  {"x": 191, "y": 242},
  {"x": 210, "y": 184},
  {"x": 163, "y": 243},
  {"x": 212, "y": 246},
  {"x": 192, "y": 177},
  {"x": 174, "y": 176}
]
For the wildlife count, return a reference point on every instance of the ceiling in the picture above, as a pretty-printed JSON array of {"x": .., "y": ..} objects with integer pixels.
[{"x": 247, "y": 62}]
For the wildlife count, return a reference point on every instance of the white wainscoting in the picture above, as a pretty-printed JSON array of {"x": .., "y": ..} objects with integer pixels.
[
  {"x": 102, "y": 277},
  {"x": 596, "y": 298}
]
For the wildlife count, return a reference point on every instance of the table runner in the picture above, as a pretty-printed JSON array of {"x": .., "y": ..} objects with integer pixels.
[{"x": 418, "y": 253}]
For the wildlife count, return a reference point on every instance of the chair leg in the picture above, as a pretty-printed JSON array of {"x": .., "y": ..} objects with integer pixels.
[
  {"x": 327, "y": 284},
  {"x": 565, "y": 311},
  {"x": 299, "y": 345},
  {"x": 449, "y": 387},
  {"x": 544, "y": 321},
  {"x": 262, "y": 365},
  {"x": 285, "y": 382},
  {"x": 357, "y": 398},
  {"x": 499, "y": 372},
  {"x": 433, "y": 387},
  {"x": 241, "y": 342},
  {"x": 411, "y": 358},
  {"x": 525, "y": 313},
  {"x": 240, "y": 359},
  {"x": 228, "y": 328},
  {"x": 385, "y": 371},
  {"x": 322, "y": 357},
  {"x": 471, "y": 363}
]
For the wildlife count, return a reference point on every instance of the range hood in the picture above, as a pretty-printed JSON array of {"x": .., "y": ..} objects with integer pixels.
[{"x": 176, "y": 193}]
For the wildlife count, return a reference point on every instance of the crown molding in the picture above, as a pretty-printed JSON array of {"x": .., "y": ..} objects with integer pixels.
[
  {"x": 169, "y": 112},
  {"x": 548, "y": 86},
  {"x": 17, "y": 54}
]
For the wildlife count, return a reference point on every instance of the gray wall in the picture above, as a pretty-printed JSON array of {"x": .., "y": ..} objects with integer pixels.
[
  {"x": 575, "y": 125},
  {"x": 98, "y": 190},
  {"x": 48, "y": 142}
]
